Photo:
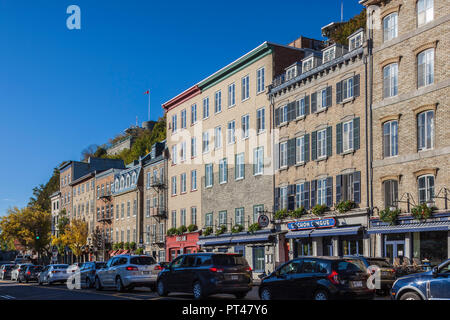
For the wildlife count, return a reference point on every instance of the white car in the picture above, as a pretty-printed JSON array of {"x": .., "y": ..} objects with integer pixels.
[
  {"x": 17, "y": 269},
  {"x": 54, "y": 273}
]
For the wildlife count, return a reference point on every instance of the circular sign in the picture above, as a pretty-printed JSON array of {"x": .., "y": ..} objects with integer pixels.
[{"x": 263, "y": 221}]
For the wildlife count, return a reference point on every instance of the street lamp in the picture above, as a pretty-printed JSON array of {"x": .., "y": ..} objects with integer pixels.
[{"x": 438, "y": 196}]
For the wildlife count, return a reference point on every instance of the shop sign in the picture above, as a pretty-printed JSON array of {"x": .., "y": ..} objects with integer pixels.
[
  {"x": 182, "y": 238},
  {"x": 312, "y": 224}
]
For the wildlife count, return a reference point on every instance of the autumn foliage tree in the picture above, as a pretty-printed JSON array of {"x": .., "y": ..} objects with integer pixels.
[{"x": 75, "y": 236}]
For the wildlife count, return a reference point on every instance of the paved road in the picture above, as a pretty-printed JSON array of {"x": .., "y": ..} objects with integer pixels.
[{"x": 32, "y": 291}]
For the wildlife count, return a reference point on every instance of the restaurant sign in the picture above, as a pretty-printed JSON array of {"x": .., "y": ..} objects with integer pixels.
[{"x": 312, "y": 224}]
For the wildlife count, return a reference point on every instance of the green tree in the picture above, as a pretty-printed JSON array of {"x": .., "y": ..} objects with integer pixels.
[
  {"x": 341, "y": 33},
  {"x": 42, "y": 193}
]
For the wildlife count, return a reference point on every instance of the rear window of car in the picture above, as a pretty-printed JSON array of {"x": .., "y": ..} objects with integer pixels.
[
  {"x": 349, "y": 266},
  {"x": 379, "y": 262},
  {"x": 60, "y": 267},
  {"x": 35, "y": 268},
  {"x": 229, "y": 260},
  {"x": 143, "y": 261}
]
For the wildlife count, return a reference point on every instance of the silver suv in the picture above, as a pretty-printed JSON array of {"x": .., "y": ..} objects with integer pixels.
[{"x": 124, "y": 272}]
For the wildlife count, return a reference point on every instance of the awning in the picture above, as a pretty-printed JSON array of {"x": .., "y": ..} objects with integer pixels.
[
  {"x": 346, "y": 231},
  {"x": 234, "y": 240},
  {"x": 412, "y": 227}
]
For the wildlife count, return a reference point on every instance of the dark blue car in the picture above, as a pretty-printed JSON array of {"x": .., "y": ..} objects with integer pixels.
[{"x": 431, "y": 285}]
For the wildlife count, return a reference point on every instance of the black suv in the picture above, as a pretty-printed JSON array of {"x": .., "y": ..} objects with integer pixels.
[
  {"x": 317, "y": 278},
  {"x": 204, "y": 274}
]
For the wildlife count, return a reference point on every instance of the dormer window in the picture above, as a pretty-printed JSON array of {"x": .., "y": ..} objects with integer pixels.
[
  {"x": 355, "y": 41},
  {"x": 122, "y": 183},
  {"x": 134, "y": 178},
  {"x": 117, "y": 185},
  {"x": 291, "y": 73},
  {"x": 329, "y": 54},
  {"x": 308, "y": 64},
  {"x": 128, "y": 181}
]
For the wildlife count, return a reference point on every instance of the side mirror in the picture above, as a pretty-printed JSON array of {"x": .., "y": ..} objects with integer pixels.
[{"x": 435, "y": 272}]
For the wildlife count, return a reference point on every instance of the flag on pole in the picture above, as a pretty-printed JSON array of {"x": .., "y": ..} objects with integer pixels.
[{"x": 147, "y": 92}]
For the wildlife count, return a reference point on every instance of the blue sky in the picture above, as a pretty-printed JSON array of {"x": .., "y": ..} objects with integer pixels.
[{"x": 62, "y": 90}]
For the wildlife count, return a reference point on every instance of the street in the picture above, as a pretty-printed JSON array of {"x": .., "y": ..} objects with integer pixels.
[{"x": 11, "y": 290}]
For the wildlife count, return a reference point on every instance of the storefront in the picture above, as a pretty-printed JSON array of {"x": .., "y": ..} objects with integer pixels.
[
  {"x": 425, "y": 241},
  {"x": 184, "y": 244},
  {"x": 258, "y": 248},
  {"x": 329, "y": 236}
]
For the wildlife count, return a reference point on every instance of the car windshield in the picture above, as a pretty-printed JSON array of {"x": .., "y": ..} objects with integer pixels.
[
  {"x": 143, "y": 261},
  {"x": 379, "y": 262},
  {"x": 229, "y": 260},
  {"x": 349, "y": 266}
]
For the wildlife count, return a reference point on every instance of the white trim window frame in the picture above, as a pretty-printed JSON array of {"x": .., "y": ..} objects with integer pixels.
[
  {"x": 390, "y": 139},
  {"x": 174, "y": 123},
  {"x": 209, "y": 175},
  {"x": 194, "y": 114},
  {"x": 283, "y": 114},
  {"x": 390, "y": 80},
  {"x": 245, "y": 88},
  {"x": 183, "y": 151},
  {"x": 425, "y": 68},
  {"x": 261, "y": 120},
  {"x": 223, "y": 171},
  {"x": 322, "y": 99},
  {"x": 231, "y": 132},
  {"x": 260, "y": 80},
  {"x": 194, "y": 180},
  {"x": 425, "y": 186},
  {"x": 174, "y": 154},
  {"x": 259, "y": 161},
  {"x": 329, "y": 54},
  {"x": 347, "y": 89},
  {"x": 205, "y": 108},
  {"x": 283, "y": 155},
  {"x": 322, "y": 191},
  {"x": 301, "y": 111},
  {"x": 307, "y": 64},
  {"x": 217, "y": 137},
  {"x": 183, "y": 187},
  {"x": 245, "y": 126},
  {"x": 240, "y": 165},
  {"x": 231, "y": 95},
  {"x": 347, "y": 136},
  {"x": 425, "y": 12},
  {"x": 283, "y": 198},
  {"x": 322, "y": 144},
  {"x": 355, "y": 42},
  {"x": 300, "y": 150},
  {"x": 425, "y": 130},
  {"x": 193, "y": 147},
  {"x": 174, "y": 186},
  {"x": 390, "y": 27},
  {"x": 205, "y": 142},
  {"x": 218, "y": 102},
  {"x": 183, "y": 119}
]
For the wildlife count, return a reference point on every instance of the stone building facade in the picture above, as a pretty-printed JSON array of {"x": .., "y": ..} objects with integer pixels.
[{"x": 55, "y": 200}]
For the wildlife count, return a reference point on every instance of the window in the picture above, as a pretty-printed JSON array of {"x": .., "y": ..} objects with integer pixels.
[
  {"x": 240, "y": 167},
  {"x": 260, "y": 87},
  {"x": 231, "y": 132},
  {"x": 194, "y": 215},
  {"x": 355, "y": 41},
  {"x": 390, "y": 193},
  {"x": 283, "y": 154},
  {"x": 183, "y": 151},
  {"x": 322, "y": 102},
  {"x": 245, "y": 88},
  {"x": 390, "y": 139},
  {"x": 245, "y": 126},
  {"x": 193, "y": 114},
  {"x": 329, "y": 54},
  {"x": 183, "y": 119},
  {"x": 174, "y": 154},
  {"x": 128, "y": 208},
  {"x": 259, "y": 259},
  {"x": 223, "y": 171},
  {"x": 347, "y": 135},
  {"x": 307, "y": 65},
  {"x": 347, "y": 91},
  {"x": 426, "y": 188},
  {"x": 301, "y": 110},
  {"x": 322, "y": 191},
  {"x": 218, "y": 138},
  {"x": 302, "y": 195},
  {"x": 122, "y": 210},
  {"x": 231, "y": 95},
  {"x": 174, "y": 186},
  {"x": 209, "y": 220},
  {"x": 183, "y": 183},
  {"x": 283, "y": 114},
  {"x": 425, "y": 11},
  {"x": 205, "y": 142},
  {"x": 425, "y": 68},
  {"x": 390, "y": 80},
  {"x": 206, "y": 108},
  {"x": 208, "y": 175},
  {"x": 260, "y": 120},
  {"x": 174, "y": 218},
  {"x": 193, "y": 147},
  {"x": 222, "y": 218},
  {"x": 147, "y": 205},
  {"x": 239, "y": 216},
  {"x": 218, "y": 102},
  {"x": 193, "y": 180},
  {"x": 300, "y": 150},
  {"x": 321, "y": 144},
  {"x": 258, "y": 210},
  {"x": 134, "y": 207},
  {"x": 174, "y": 123},
  {"x": 283, "y": 198},
  {"x": 390, "y": 27},
  {"x": 258, "y": 155},
  {"x": 425, "y": 128},
  {"x": 183, "y": 217}
]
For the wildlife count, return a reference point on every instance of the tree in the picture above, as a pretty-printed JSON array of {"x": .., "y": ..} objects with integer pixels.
[
  {"x": 58, "y": 240},
  {"x": 42, "y": 193},
  {"x": 75, "y": 236},
  {"x": 89, "y": 152},
  {"x": 341, "y": 33}
]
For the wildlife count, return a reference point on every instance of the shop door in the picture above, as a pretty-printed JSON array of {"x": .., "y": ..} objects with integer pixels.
[{"x": 394, "y": 249}]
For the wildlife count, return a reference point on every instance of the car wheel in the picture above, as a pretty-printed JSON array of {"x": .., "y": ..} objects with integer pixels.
[
  {"x": 410, "y": 296},
  {"x": 119, "y": 285},
  {"x": 98, "y": 285},
  {"x": 240, "y": 295},
  {"x": 197, "y": 290},
  {"x": 161, "y": 288},
  {"x": 321, "y": 295},
  {"x": 265, "y": 294}
]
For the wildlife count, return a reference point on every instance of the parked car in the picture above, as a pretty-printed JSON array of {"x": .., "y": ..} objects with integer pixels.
[
  {"x": 31, "y": 273},
  {"x": 387, "y": 271},
  {"x": 17, "y": 272},
  {"x": 204, "y": 274},
  {"x": 125, "y": 272},
  {"x": 88, "y": 272},
  {"x": 5, "y": 271},
  {"x": 53, "y": 273},
  {"x": 430, "y": 285},
  {"x": 317, "y": 278}
]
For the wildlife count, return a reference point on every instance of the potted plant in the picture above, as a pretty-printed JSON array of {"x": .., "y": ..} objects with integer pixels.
[
  {"x": 139, "y": 251},
  {"x": 132, "y": 245},
  {"x": 237, "y": 229},
  {"x": 280, "y": 215},
  {"x": 345, "y": 206},
  {"x": 192, "y": 228},
  {"x": 389, "y": 216},
  {"x": 297, "y": 213},
  {"x": 221, "y": 230},
  {"x": 127, "y": 246},
  {"x": 182, "y": 230},
  {"x": 319, "y": 209},
  {"x": 208, "y": 231},
  {"x": 421, "y": 212},
  {"x": 171, "y": 232},
  {"x": 254, "y": 227}
]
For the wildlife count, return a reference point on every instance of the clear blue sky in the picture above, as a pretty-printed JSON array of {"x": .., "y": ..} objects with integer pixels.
[{"x": 62, "y": 90}]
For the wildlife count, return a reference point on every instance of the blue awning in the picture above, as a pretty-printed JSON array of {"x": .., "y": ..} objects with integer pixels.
[
  {"x": 323, "y": 232},
  {"x": 412, "y": 227},
  {"x": 234, "y": 240}
]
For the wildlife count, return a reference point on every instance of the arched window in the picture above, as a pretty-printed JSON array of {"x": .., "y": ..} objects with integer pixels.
[
  {"x": 390, "y": 26},
  {"x": 128, "y": 181},
  {"x": 390, "y": 80},
  {"x": 117, "y": 185},
  {"x": 122, "y": 182},
  {"x": 134, "y": 178}
]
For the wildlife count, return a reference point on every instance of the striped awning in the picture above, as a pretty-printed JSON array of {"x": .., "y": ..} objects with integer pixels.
[
  {"x": 411, "y": 227},
  {"x": 345, "y": 231},
  {"x": 233, "y": 240}
]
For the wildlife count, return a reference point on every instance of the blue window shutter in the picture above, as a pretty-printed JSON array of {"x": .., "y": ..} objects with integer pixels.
[
  {"x": 291, "y": 146},
  {"x": 338, "y": 188},
  {"x": 339, "y": 138},
  {"x": 357, "y": 187},
  {"x": 356, "y": 134},
  {"x": 329, "y": 96},
  {"x": 314, "y": 145},
  {"x": 329, "y": 192},
  {"x": 306, "y": 197},
  {"x": 356, "y": 86},
  {"x": 306, "y": 105},
  {"x": 306, "y": 146},
  {"x": 329, "y": 142},
  {"x": 339, "y": 92},
  {"x": 277, "y": 200},
  {"x": 291, "y": 111},
  {"x": 313, "y": 192},
  {"x": 277, "y": 117},
  {"x": 314, "y": 102}
]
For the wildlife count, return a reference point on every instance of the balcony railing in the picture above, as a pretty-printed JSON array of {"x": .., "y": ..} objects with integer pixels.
[
  {"x": 157, "y": 183},
  {"x": 158, "y": 212}
]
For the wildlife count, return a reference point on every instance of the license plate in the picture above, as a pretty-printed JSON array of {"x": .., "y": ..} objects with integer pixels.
[
  {"x": 357, "y": 284},
  {"x": 234, "y": 277},
  {"x": 145, "y": 272}
]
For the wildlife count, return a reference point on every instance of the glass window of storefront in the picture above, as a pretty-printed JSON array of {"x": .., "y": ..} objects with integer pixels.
[
  {"x": 240, "y": 250},
  {"x": 327, "y": 246},
  {"x": 431, "y": 246},
  {"x": 258, "y": 259},
  {"x": 303, "y": 248},
  {"x": 352, "y": 245}
]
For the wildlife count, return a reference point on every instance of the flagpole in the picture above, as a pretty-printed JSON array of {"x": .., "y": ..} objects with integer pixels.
[{"x": 149, "y": 105}]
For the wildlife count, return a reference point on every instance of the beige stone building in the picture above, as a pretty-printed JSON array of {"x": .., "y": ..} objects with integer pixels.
[
  {"x": 410, "y": 132},
  {"x": 55, "y": 200},
  {"x": 320, "y": 152}
]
